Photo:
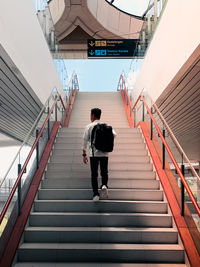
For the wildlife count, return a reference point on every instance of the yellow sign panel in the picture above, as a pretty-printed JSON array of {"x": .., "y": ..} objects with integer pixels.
[{"x": 100, "y": 43}]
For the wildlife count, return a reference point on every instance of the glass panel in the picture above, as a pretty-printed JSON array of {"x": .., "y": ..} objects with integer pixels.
[
  {"x": 10, "y": 178},
  {"x": 170, "y": 170}
]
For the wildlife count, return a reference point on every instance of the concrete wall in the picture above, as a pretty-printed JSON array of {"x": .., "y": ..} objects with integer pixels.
[
  {"x": 22, "y": 38},
  {"x": 176, "y": 37}
]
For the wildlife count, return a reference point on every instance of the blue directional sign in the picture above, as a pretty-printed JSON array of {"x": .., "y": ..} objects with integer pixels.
[{"x": 114, "y": 48}]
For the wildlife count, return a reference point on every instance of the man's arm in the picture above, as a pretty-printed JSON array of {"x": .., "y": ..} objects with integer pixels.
[
  {"x": 85, "y": 142},
  {"x": 114, "y": 133}
]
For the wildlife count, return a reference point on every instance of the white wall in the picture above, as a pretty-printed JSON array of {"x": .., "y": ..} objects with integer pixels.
[
  {"x": 22, "y": 38},
  {"x": 176, "y": 37}
]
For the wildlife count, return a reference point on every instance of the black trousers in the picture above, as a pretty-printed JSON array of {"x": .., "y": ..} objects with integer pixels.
[{"x": 94, "y": 164}]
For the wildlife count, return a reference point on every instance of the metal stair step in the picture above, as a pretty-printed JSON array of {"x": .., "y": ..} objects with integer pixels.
[
  {"x": 100, "y": 252},
  {"x": 112, "y": 159},
  {"x": 86, "y": 194},
  {"x": 117, "y": 141},
  {"x": 118, "y": 146},
  {"x": 84, "y": 183},
  {"x": 86, "y": 219},
  {"x": 112, "y": 166},
  {"x": 120, "y": 135},
  {"x": 101, "y": 235},
  {"x": 118, "y": 152},
  {"x": 89, "y": 264},
  {"x": 112, "y": 174},
  {"x": 101, "y": 206},
  {"x": 118, "y": 130}
]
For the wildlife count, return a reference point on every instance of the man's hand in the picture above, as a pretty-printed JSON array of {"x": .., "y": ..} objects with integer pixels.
[{"x": 85, "y": 160}]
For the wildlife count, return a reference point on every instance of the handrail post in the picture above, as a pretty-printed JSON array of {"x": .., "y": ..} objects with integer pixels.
[
  {"x": 56, "y": 111},
  {"x": 19, "y": 190},
  {"x": 182, "y": 192},
  {"x": 37, "y": 149},
  {"x": 151, "y": 125},
  {"x": 48, "y": 125},
  {"x": 142, "y": 110},
  {"x": 163, "y": 150},
  {"x": 62, "y": 116},
  {"x": 134, "y": 117}
]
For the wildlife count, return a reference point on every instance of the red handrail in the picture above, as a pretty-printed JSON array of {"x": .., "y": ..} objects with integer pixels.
[
  {"x": 136, "y": 102},
  {"x": 62, "y": 102},
  {"x": 5, "y": 208},
  {"x": 171, "y": 156}
]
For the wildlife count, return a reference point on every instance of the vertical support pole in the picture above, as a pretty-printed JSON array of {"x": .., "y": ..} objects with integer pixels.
[
  {"x": 134, "y": 117},
  {"x": 163, "y": 2},
  {"x": 48, "y": 125},
  {"x": 182, "y": 192},
  {"x": 56, "y": 111},
  {"x": 37, "y": 149},
  {"x": 19, "y": 190},
  {"x": 155, "y": 11},
  {"x": 149, "y": 25},
  {"x": 62, "y": 116},
  {"x": 163, "y": 150},
  {"x": 142, "y": 110},
  {"x": 151, "y": 125}
]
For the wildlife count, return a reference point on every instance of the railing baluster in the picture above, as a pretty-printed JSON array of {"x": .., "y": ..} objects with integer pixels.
[
  {"x": 142, "y": 110},
  {"x": 163, "y": 151},
  {"x": 151, "y": 125},
  {"x": 48, "y": 125},
  {"x": 56, "y": 111},
  {"x": 37, "y": 149},
  {"x": 182, "y": 190},
  {"x": 19, "y": 190}
]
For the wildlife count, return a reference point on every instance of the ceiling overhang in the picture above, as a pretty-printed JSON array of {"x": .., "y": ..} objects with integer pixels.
[{"x": 90, "y": 19}]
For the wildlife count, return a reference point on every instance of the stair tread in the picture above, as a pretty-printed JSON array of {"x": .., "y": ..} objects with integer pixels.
[
  {"x": 101, "y": 201},
  {"x": 101, "y": 214},
  {"x": 94, "y": 246},
  {"x": 40, "y": 264},
  {"x": 112, "y": 190},
  {"x": 110, "y": 229}
]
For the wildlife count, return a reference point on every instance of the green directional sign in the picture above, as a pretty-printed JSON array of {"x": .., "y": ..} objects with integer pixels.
[{"x": 112, "y": 48}]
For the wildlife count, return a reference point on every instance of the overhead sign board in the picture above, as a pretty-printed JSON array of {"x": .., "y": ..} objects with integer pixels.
[{"x": 112, "y": 48}]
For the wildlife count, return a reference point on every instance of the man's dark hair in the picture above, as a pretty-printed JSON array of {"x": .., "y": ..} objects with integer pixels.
[{"x": 96, "y": 112}]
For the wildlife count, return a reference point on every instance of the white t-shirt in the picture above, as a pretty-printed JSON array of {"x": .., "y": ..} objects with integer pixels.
[{"x": 87, "y": 140}]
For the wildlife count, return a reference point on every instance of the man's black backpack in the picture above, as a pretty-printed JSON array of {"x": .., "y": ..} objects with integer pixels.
[{"x": 102, "y": 138}]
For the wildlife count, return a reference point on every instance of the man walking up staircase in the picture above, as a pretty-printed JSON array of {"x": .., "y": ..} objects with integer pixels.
[{"x": 133, "y": 226}]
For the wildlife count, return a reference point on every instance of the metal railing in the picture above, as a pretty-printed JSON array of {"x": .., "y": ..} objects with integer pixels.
[
  {"x": 26, "y": 162},
  {"x": 155, "y": 126},
  {"x": 122, "y": 86}
]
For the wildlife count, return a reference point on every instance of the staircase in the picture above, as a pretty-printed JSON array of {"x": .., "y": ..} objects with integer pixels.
[{"x": 133, "y": 227}]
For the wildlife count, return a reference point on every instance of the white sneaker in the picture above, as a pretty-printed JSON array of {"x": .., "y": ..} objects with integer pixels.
[
  {"x": 96, "y": 198},
  {"x": 104, "y": 192}
]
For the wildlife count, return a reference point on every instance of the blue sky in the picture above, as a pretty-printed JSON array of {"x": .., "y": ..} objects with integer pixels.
[
  {"x": 101, "y": 74},
  {"x": 98, "y": 74}
]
